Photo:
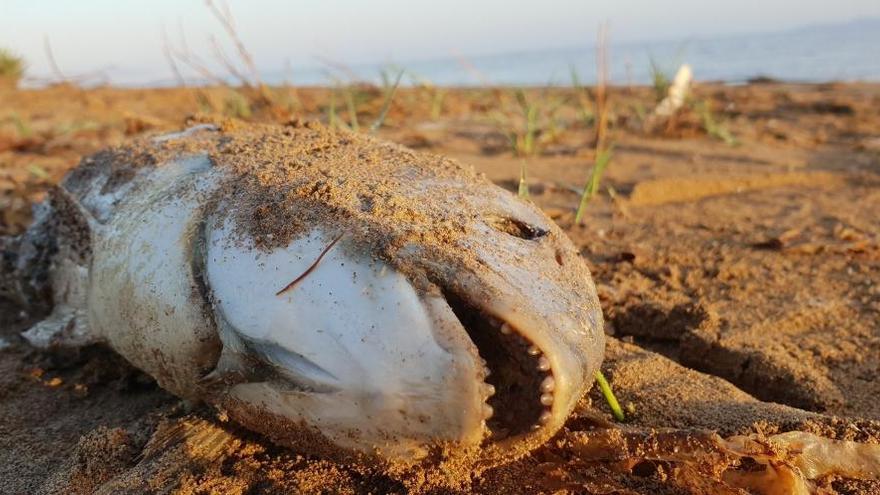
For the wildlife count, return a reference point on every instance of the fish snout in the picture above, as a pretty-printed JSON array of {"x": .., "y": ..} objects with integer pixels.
[
  {"x": 525, "y": 298},
  {"x": 536, "y": 366}
]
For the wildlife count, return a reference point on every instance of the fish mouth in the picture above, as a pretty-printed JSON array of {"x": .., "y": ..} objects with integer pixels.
[{"x": 520, "y": 386}]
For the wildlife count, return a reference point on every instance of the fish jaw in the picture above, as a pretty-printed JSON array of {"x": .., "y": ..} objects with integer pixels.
[
  {"x": 525, "y": 296},
  {"x": 538, "y": 381},
  {"x": 341, "y": 344}
]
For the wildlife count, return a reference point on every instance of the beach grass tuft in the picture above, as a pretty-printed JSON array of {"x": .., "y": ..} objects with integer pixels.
[
  {"x": 11, "y": 66},
  {"x": 389, "y": 89},
  {"x": 711, "y": 125}
]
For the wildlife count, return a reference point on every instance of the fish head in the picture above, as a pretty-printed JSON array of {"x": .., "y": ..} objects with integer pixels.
[
  {"x": 519, "y": 289},
  {"x": 441, "y": 309}
]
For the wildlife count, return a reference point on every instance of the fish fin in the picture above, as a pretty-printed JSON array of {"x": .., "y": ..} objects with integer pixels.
[
  {"x": 219, "y": 379},
  {"x": 62, "y": 229},
  {"x": 67, "y": 325},
  {"x": 73, "y": 230},
  {"x": 287, "y": 365},
  {"x": 25, "y": 260},
  {"x": 232, "y": 369},
  {"x": 64, "y": 327},
  {"x": 199, "y": 434},
  {"x": 179, "y": 451},
  {"x": 261, "y": 363},
  {"x": 75, "y": 223},
  {"x": 10, "y": 280}
]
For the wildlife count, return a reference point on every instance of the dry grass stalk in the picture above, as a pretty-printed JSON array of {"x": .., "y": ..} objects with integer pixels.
[
  {"x": 601, "y": 87},
  {"x": 227, "y": 21}
]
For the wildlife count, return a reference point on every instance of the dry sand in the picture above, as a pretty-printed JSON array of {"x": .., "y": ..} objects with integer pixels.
[{"x": 741, "y": 286}]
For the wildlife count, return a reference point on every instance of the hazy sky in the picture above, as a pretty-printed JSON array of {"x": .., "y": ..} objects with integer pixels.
[{"x": 125, "y": 36}]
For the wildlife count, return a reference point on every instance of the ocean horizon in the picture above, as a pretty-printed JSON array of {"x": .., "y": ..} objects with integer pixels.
[
  {"x": 846, "y": 52},
  {"x": 811, "y": 54}
]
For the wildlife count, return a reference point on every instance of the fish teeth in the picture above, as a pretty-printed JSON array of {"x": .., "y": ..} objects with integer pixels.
[
  {"x": 543, "y": 363},
  {"x": 545, "y": 417},
  {"x": 542, "y": 420},
  {"x": 548, "y": 384},
  {"x": 486, "y": 370},
  {"x": 487, "y": 411},
  {"x": 488, "y": 390}
]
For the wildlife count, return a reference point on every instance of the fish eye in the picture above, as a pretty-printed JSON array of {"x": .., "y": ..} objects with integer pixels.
[{"x": 516, "y": 228}]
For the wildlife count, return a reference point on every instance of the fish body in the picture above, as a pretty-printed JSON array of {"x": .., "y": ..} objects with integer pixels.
[{"x": 336, "y": 293}]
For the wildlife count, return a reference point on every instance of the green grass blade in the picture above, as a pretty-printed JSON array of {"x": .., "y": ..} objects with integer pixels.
[
  {"x": 601, "y": 164},
  {"x": 332, "y": 117},
  {"x": 21, "y": 126},
  {"x": 386, "y": 105},
  {"x": 585, "y": 114},
  {"x": 712, "y": 127},
  {"x": 352, "y": 108},
  {"x": 605, "y": 388},
  {"x": 520, "y": 96},
  {"x": 523, "y": 191},
  {"x": 575, "y": 78},
  {"x": 437, "y": 103},
  {"x": 592, "y": 186},
  {"x": 531, "y": 130}
]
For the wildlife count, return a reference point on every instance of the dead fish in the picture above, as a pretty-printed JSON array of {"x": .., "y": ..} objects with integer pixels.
[{"x": 338, "y": 294}]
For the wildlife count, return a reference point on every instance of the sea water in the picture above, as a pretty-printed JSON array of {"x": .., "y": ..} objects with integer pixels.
[{"x": 843, "y": 52}]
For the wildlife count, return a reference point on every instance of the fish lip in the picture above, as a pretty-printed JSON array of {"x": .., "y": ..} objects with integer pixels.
[{"x": 516, "y": 324}]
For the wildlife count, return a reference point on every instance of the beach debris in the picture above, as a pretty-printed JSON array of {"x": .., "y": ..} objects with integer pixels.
[
  {"x": 676, "y": 96},
  {"x": 678, "y": 92},
  {"x": 787, "y": 463}
]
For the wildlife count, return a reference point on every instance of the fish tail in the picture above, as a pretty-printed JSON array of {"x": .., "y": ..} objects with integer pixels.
[
  {"x": 25, "y": 260},
  {"x": 8, "y": 260}
]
